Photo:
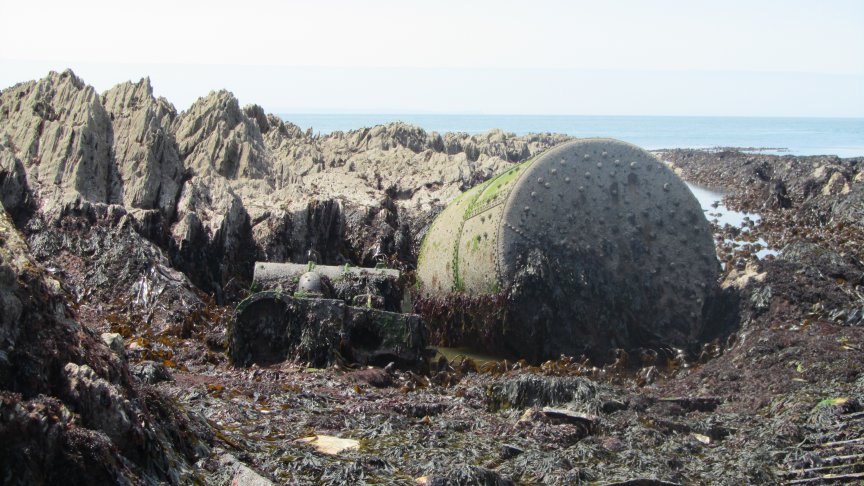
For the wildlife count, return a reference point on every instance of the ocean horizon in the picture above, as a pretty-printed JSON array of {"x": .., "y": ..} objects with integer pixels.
[{"x": 843, "y": 137}]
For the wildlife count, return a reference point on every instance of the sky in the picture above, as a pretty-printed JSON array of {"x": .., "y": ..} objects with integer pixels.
[{"x": 624, "y": 57}]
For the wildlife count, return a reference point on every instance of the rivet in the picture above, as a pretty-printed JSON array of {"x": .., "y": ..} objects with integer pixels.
[
  {"x": 599, "y": 165},
  {"x": 533, "y": 194},
  {"x": 587, "y": 156},
  {"x": 562, "y": 162},
  {"x": 540, "y": 180},
  {"x": 527, "y": 208},
  {"x": 604, "y": 154},
  {"x": 666, "y": 187},
  {"x": 588, "y": 175},
  {"x": 581, "y": 188},
  {"x": 567, "y": 180},
  {"x": 554, "y": 171},
  {"x": 633, "y": 165}
]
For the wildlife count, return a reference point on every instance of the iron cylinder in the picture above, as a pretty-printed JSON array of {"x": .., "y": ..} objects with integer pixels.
[{"x": 593, "y": 245}]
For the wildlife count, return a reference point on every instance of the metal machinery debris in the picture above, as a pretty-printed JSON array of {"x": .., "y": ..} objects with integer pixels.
[
  {"x": 590, "y": 247},
  {"x": 305, "y": 312},
  {"x": 593, "y": 245}
]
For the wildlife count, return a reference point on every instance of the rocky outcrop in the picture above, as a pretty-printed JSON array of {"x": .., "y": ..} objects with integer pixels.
[
  {"x": 61, "y": 133},
  {"x": 216, "y": 137},
  {"x": 219, "y": 186},
  {"x": 114, "y": 274},
  {"x": 813, "y": 179},
  {"x": 14, "y": 192},
  {"x": 795, "y": 196},
  {"x": 70, "y": 412},
  {"x": 213, "y": 236},
  {"x": 145, "y": 151}
]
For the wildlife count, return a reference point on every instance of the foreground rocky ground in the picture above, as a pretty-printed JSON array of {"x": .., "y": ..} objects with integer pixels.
[{"x": 128, "y": 235}]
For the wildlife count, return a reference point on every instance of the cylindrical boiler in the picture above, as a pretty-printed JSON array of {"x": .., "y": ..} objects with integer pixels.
[{"x": 593, "y": 245}]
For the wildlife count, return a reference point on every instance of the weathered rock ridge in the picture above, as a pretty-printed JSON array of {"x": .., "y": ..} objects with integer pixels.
[
  {"x": 218, "y": 186},
  {"x": 124, "y": 209}
]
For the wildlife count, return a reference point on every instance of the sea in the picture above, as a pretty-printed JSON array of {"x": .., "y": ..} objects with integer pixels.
[{"x": 843, "y": 137}]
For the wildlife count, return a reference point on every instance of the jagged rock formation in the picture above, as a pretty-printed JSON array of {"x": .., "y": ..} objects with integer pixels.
[
  {"x": 134, "y": 209},
  {"x": 218, "y": 186},
  {"x": 59, "y": 130},
  {"x": 14, "y": 192},
  {"x": 146, "y": 154},
  {"x": 216, "y": 137}
]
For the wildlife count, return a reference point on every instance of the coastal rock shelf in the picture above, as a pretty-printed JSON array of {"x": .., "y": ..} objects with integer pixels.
[{"x": 128, "y": 237}]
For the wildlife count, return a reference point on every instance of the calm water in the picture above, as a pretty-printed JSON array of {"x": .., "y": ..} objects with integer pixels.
[
  {"x": 715, "y": 210},
  {"x": 796, "y": 136}
]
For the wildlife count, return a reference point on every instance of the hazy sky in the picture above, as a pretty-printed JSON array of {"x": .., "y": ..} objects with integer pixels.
[{"x": 663, "y": 57}]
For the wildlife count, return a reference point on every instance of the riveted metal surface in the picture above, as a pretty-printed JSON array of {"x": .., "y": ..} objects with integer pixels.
[
  {"x": 648, "y": 185},
  {"x": 626, "y": 248}
]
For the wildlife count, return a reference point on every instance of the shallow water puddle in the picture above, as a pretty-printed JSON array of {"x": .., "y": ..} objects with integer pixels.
[
  {"x": 480, "y": 357},
  {"x": 717, "y": 212}
]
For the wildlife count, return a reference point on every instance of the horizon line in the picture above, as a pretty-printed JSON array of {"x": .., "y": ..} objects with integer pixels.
[{"x": 283, "y": 113}]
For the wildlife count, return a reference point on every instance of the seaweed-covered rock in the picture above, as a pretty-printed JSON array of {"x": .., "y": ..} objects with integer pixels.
[
  {"x": 271, "y": 327},
  {"x": 531, "y": 390},
  {"x": 150, "y": 372},
  {"x": 70, "y": 412},
  {"x": 466, "y": 476}
]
